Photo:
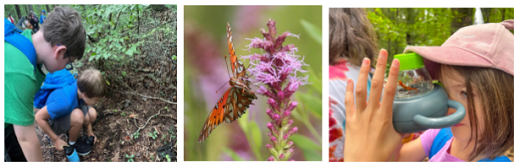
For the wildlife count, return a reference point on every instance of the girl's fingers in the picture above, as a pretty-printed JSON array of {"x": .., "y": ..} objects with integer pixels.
[
  {"x": 361, "y": 87},
  {"x": 378, "y": 80},
  {"x": 349, "y": 99},
  {"x": 391, "y": 86}
]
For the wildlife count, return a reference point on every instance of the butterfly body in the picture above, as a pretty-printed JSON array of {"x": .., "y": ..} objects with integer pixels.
[{"x": 235, "y": 101}]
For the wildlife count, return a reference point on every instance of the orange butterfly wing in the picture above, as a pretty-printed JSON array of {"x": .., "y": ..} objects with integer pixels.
[
  {"x": 215, "y": 117},
  {"x": 231, "y": 106},
  {"x": 231, "y": 49}
]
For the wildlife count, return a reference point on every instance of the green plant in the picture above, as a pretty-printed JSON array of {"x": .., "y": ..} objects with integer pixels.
[
  {"x": 174, "y": 57},
  {"x": 123, "y": 113},
  {"x": 151, "y": 158},
  {"x": 168, "y": 158},
  {"x": 153, "y": 135},
  {"x": 130, "y": 158},
  {"x": 136, "y": 135}
]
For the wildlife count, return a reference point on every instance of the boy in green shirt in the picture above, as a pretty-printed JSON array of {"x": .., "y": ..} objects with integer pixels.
[{"x": 60, "y": 42}]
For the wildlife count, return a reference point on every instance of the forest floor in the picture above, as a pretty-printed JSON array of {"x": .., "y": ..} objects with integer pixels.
[{"x": 138, "y": 116}]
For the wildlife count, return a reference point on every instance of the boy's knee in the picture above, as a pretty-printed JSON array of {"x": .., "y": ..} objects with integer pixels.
[
  {"x": 92, "y": 113},
  {"x": 77, "y": 118},
  {"x": 91, "y": 116}
]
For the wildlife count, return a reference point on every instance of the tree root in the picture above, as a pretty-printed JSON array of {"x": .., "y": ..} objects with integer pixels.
[
  {"x": 140, "y": 128},
  {"x": 149, "y": 97}
]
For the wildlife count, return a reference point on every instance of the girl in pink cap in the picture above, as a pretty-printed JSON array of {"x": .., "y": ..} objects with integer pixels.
[{"x": 476, "y": 67}]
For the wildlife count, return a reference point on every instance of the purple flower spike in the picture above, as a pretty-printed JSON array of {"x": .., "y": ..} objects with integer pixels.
[
  {"x": 270, "y": 158},
  {"x": 292, "y": 105},
  {"x": 287, "y": 113},
  {"x": 273, "y": 139},
  {"x": 270, "y": 126},
  {"x": 275, "y": 72},
  {"x": 290, "y": 143},
  {"x": 268, "y": 146}
]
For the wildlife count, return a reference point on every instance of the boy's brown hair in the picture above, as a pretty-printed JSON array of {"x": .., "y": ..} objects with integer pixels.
[
  {"x": 64, "y": 26},
  {"x": 495, "y": 88},
  {"x": 351, "y": 36},
  {"x": 91, "y": 83}
]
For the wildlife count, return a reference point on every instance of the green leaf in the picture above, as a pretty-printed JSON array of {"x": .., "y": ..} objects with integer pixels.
[
  {"x": 129, "y": 52},
  {"x": 312, "y": 103},
  {"x": 313, "y": 30},
  {"x": 123, "y": 73},
  {"x": 256, "y": 134},
  {"x": 315, "y": 81},
  {"x": 311, "y": 155},
  {"x": 243, "y": 122},
  {"x": 305, "y": 143},
  {"x": 232, "y": 154}
]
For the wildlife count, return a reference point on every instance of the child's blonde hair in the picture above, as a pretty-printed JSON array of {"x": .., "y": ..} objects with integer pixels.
[
  {"x": 91, "y": 83},
  {"x": 496, "y": 91}
]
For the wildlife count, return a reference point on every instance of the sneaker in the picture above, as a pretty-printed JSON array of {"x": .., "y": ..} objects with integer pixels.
[{"x": 82, "y": 147}]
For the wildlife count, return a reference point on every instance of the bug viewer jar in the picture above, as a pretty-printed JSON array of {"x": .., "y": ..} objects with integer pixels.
[{"x": 421, "y": 103}]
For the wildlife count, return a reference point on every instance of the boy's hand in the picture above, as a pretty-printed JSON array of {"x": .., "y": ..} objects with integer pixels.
[
  {"x": 92, "y": 134},
  {"x": 59, "y": 144}
]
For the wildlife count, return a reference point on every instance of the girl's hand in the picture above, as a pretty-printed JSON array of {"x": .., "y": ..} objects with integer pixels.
[{"x": 370, "y": 134}]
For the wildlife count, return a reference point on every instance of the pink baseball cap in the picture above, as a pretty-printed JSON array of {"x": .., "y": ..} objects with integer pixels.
[{"x": 486, "y": 45}]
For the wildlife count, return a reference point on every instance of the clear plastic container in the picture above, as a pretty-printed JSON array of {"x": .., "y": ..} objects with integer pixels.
[
  {"x": 413, "y": 83},
  {"x": 414, "y": 79}
]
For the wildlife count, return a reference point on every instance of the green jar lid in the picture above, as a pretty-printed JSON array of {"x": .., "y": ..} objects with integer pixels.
[{"x": 410, "y": 61}]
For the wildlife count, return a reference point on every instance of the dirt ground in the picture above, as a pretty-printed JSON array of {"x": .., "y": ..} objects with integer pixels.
[{"x": 138, "y": 116}]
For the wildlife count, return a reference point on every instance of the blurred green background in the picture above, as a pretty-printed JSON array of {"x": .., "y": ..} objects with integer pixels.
[
  {"x": 398, "y": 27},
  {"x": 205, "y": 72}
]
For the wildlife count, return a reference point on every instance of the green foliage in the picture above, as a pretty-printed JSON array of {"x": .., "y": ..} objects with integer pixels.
[
  {"x": 153, "y": 135},
  {"x": 24, "y": 10},
  {"x": 113, "y": 30},
  {"x": 168, "y": 158},
  {"x": 151, "y": 158},
  {"x": 253, "y": 134},
  {"x": 397, "y": 28},
  {"x": 130, "y": 158},
  {"x": 312, "y": 29},
  {"x": 123, "y": 113},
  {"x": 135, "y": 135},
  {"x": 232, "y": 154}
]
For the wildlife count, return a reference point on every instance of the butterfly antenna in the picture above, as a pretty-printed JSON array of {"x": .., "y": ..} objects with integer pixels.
[{"x": 220, "y": 87}]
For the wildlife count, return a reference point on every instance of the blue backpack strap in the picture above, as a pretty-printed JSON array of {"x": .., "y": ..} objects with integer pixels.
[
  {"x": 12, "y": 36},
  {"x": 440, "y": 140}
]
